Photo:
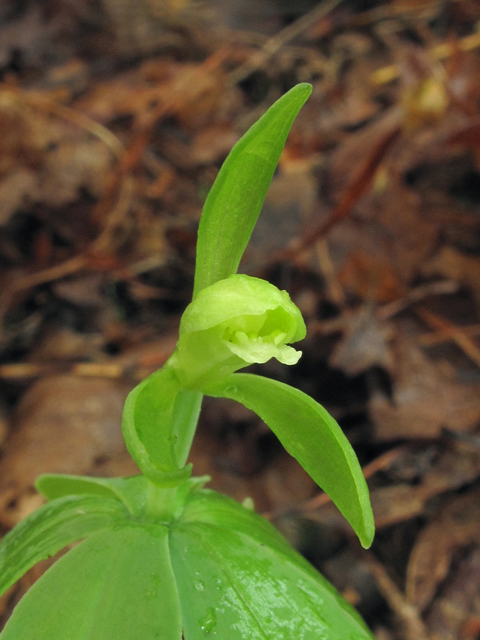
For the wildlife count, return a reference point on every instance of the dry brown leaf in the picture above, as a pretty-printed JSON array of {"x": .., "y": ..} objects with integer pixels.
[
  {"x": 363, "y": 345},
  {"x": 27, "y": 35},
  {"x": 456, "y": 467},
  {"x": 456, "y": 526},
  {"x": 408, "y": 617},
  {"x": 370, "y": 277},
  {"x": 3, "y": 422},
  {"x": 192, "y": 92},
  {"x": 398, "y": 503},
  {"x": 353, "y": 151},
  {"x": 17, "y": 190},
  {"x": 63, "y": 424},
  {"x": 454, "y": 264},
  {"x": 425, "y": 398},
  {"x": 212, "y": 143},
  {"x": 453, "y": 612},
  {"x": 290, "y": 201},
  {"x": 73, "y": 164},
  {"x": 407, "y": 237},
  {"x": 42, "y": 159},
  {"x": 62, "y": 343},
  {"x": 83, "y": 290},
  {"x": 143, "y": 26},
  {"x": 381, "y": 633}
]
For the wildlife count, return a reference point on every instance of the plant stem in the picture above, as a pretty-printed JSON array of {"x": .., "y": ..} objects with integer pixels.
[
  {"x": 185, "y": 418},
  {"x": 161, "y": 503}
]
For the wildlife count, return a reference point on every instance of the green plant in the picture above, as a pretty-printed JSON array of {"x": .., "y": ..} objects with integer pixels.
[{"x": 160, "y": 555}]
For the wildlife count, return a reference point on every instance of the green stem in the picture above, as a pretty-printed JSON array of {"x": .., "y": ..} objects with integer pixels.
[
  {"x": 161, "y": 503},
  {"x": 185, "y": 419}
]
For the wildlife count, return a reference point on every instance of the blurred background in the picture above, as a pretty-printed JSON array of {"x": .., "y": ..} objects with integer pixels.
[{"x": 115, "y": 116}]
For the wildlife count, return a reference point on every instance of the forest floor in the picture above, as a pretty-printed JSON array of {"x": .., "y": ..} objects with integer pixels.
[{"x": 114, "y": 119}]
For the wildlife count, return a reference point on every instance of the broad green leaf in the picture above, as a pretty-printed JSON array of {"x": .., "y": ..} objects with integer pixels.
[
  {"x": 116, "y": 585},
  {"x": 207, "y": 507},
  {"x": 236, "y": 197},
  {"x": 147, "y": 426},
  {"x": 212, "y": 508},
  {"x": 131, "y": 491},
  {"x": 244, "y": 581},
  {"x": 50, "y": 528},
  {"x": 309, "y": 434}
]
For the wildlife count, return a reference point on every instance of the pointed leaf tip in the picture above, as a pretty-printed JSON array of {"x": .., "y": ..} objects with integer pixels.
[
  {"x": 309, "y": 434},
  {"x": 236, "y": 197}
]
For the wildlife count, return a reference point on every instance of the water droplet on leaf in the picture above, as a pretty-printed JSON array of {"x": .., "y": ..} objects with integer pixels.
[{"x": 208, "y": 622}]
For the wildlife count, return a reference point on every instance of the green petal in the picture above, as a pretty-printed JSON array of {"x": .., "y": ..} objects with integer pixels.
[
  {"x": 237, "y": 579},
  {"x": 116, "y": 585},
  {"x": 236, "y": 198},
  {"x": 310, "y": 434},
  {"x": 50, "y": 528}
]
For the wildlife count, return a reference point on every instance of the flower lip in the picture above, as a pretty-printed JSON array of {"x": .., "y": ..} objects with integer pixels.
[{"x": 260, "y": 349}]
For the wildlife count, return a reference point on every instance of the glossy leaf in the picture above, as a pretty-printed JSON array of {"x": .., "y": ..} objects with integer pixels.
[
  {"x": 116, "y": 585},
  {"x": 131, "y": 491},
  {"x": 50, "y": 528},
  {"x": 212, "y": 508},
  {"x": 310, "y": 434},
  {"x": 236, "y": 197},
  {"x": 245, "y": 582},
  {"x": 147, "y": 426},
  {"x": 218, "y": 570}
]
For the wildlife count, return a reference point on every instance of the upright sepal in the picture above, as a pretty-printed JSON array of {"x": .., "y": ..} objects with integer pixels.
[
  {"x": 236, "y": 197},
  {"x": 310, "y": 434}
]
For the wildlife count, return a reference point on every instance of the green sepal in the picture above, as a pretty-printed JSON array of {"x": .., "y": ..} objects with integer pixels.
[
  {"x": 309, "y": 434},
  {"x": 116, "y": 585},
  {"x": 238, "y": 578},
  {"x": 148, "y": 429},
  {"x": 236, "y": 197},
  {"x": 50, "y": 528},
  {"x": 131, "y": 491}
]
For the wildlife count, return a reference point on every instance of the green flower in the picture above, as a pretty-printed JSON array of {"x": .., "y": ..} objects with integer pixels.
[{"x": 233, "y": 323}]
